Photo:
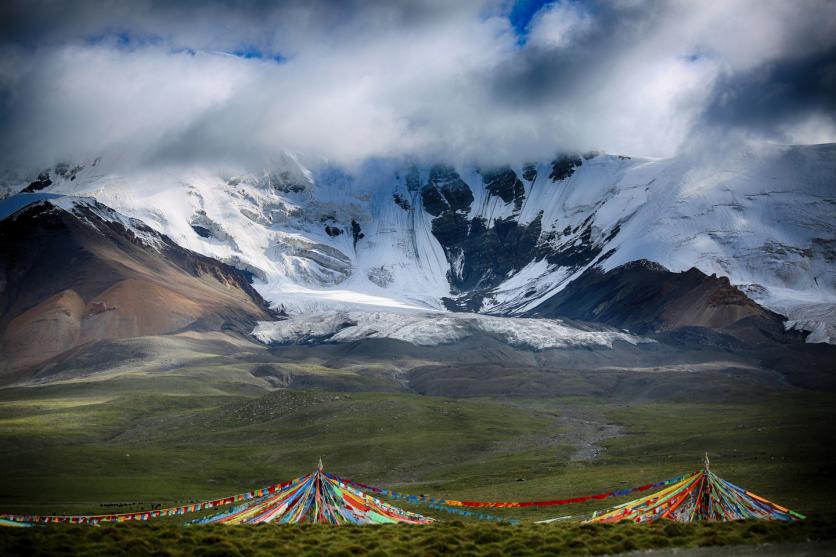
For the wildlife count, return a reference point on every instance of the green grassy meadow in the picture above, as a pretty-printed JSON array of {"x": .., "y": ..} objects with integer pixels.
[
  {"x": 69, "y": 448},
  {"x": 133, "y": 442},
  {"x": 456, "y": 538}
]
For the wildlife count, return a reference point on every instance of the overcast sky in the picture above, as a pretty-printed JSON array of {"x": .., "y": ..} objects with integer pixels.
[{"x": 165, "y": 81}]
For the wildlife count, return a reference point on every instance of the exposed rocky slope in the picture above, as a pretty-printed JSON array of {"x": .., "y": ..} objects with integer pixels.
[
  {"x": 644, "y": 297},
  {"x": 73, "y": 271}
]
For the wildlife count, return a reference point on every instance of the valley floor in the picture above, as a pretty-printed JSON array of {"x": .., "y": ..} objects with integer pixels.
[
  {"x": 77, "y": 446},
  {"x": 195, "y": 425}
]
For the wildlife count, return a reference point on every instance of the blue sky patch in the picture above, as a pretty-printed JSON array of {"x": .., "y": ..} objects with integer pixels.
[{"x": 522, "y": 13}]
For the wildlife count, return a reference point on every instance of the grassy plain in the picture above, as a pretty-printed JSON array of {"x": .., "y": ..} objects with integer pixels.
[
  {"x": 76, "y": 446},
  {"x": 136, "y": 440}
]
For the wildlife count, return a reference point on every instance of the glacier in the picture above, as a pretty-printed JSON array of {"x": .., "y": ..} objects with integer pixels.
[{"x": 433, "y": 329}]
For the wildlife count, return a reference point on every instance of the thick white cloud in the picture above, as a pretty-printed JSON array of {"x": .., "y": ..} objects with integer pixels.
[
  {"x": 428, "y": 79},
  {"x": 559, "y": 25}
]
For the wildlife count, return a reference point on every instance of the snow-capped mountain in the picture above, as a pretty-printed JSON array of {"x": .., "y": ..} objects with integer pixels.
[{"x": 403, "y": 237}]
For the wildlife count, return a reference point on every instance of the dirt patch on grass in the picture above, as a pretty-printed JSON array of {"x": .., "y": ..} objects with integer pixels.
[{"x": 585, "y": 428}]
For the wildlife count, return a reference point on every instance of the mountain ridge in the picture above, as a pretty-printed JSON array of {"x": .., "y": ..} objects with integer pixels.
[
  {"x": 500, "y": 240},
  {"x": 76, "y": 272}
]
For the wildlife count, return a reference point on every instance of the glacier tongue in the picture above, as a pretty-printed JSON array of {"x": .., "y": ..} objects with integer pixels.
[
  {"x": 814, "y": 311},
  {"x": 432, "y": 329}
]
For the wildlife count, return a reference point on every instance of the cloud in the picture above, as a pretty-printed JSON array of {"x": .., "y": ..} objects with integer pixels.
[
  {"x": 788, "y": 94},
  {"x": 559, "y": 25},
  {"x": 155, "y": 82}
]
